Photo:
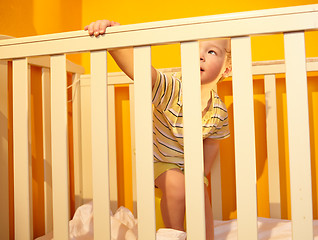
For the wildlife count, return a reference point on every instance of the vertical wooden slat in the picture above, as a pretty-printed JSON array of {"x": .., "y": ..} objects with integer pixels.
[
  {"x": 30, "y": 152},
  {"x": 133, "y": 146},
  {"x": 272, "y": 146},
  {"x": 4, "y": 160},
  {"x": 244, "y": 137},
  {"x": 47, "y": 155},
  {"x": 298, "y": 136},
  {"x": 77, "y": 140},
  {"x": 22, "y": 213},
  {"x": 60, "y": 168},
  {"x": 112, "y": 148},
  {"x": 193, "y": 144},
  {"x": 86, "y": 150},
  {"x": 144, "y": 143},
  {"x": 100, "y": 149}
]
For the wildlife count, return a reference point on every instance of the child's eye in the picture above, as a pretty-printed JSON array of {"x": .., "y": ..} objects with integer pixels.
[{"x": 212, "y": 52}]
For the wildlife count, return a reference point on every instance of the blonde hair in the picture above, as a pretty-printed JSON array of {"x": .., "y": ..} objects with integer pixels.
[{"x": 228, "y": 63}]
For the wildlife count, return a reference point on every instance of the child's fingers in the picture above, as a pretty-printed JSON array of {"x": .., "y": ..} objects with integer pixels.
[
  {"x": 90, "y": 28},
  {"x": 103, "y": 25},
  {"x": 96, "y": 27},
  {"x": 99, "y": 27}
]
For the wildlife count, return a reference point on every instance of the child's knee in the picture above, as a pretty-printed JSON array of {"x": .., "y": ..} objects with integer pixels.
[
  {"x": 177, "y": 195},
  {"x": 175, "y": 192}
]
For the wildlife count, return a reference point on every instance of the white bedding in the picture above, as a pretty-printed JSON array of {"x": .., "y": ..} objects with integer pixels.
[{"x": 124, "y": 227}]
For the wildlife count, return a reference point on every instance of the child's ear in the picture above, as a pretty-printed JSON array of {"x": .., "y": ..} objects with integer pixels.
[{"x": 227, "y": 71}]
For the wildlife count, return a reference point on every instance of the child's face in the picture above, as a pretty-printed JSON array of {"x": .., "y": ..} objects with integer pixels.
[{"x": 213, "y": 59}]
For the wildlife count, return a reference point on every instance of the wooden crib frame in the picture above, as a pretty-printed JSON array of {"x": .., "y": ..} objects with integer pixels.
[{"x": 291, "y": 21}]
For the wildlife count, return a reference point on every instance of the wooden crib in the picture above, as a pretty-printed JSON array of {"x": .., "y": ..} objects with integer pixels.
[{"x": 292, "y": 21}]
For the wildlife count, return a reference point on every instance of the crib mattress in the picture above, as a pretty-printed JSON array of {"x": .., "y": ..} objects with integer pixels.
[{"x": 124, "y": 227}]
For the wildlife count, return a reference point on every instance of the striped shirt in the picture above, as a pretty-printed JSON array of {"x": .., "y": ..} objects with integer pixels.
[{"x": 168, "y": 119}]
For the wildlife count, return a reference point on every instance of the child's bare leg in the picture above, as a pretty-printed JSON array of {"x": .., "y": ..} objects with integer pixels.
[
  {"x": 209, "y": 225},
  {"x": 172, "y": 186}
]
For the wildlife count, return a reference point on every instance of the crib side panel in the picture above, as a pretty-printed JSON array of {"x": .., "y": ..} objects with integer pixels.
[{"x": 4, "y": 157}]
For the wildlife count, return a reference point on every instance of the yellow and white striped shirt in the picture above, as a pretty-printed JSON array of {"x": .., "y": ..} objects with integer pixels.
[{"x": 168, "y": 119}]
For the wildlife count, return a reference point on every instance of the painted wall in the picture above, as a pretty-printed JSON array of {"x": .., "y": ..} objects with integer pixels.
[{"x": 130, "y": 12}]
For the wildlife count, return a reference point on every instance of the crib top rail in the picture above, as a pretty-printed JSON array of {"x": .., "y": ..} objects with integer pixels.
[
  {"x": 44, "y": 61},
  {"x": 267, "y": 21}
]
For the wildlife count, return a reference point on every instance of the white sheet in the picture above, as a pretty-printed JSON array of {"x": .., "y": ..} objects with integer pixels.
[
  {"x": 268, "y": 229},
  {"x": 124, "y": 227}
]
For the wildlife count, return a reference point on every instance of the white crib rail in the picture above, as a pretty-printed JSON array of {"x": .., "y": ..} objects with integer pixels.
[{"x": 141, "y": 36}]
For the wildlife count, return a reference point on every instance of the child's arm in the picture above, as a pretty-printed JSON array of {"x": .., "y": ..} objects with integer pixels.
[
  {"x": 123, "y": 57},
  {"x": 210, "y": 150}
]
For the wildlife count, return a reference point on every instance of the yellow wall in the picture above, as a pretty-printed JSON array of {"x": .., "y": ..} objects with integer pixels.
[
  {"x": 130, "y": 12},
  {"x": 25, "y": 18},
  {"x": 21, "y": 18}
]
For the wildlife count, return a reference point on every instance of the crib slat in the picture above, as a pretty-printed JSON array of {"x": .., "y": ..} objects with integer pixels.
[
  {"x": 22, "y": 213},
  {"x": 244, "y": 137},
  {"x": 272, "y": 146},
  {"x": 100, "y": 149},
  {"x": 30, "y": 152},
  {"x": 86, "y": 177},
  {"x": 193, "y": 145},
  {"x": 298, "y": 136},
  {"x": 4, "y": 160},
  {"x": 133, "y": 146},
  {"x": 47, "y": 155},
  {"x": 77, "y": 140},
  {"x": 112, "y": 148},
  {"x": 144, "y": 143},
  {"x": 60, "y": 169}
]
